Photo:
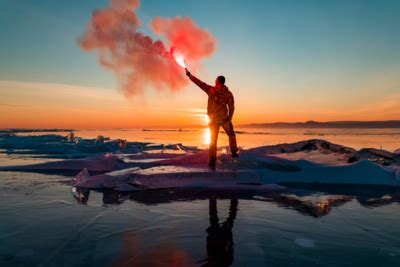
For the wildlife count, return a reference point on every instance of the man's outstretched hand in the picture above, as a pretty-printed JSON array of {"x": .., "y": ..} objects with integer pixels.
[{"x": 187, "y": 72}]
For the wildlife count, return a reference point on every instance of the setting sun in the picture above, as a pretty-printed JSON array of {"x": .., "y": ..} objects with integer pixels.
[{"x": 206, "y": 136}]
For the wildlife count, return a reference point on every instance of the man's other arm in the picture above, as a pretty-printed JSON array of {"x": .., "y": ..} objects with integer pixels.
[{"x": 231, "y": 106}]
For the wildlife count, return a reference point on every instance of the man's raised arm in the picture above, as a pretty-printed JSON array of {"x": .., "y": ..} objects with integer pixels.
[{"x": 205, "y": 87}]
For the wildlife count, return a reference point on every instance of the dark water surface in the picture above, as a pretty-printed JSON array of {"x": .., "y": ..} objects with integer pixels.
[{"x": 43, "y": 223}]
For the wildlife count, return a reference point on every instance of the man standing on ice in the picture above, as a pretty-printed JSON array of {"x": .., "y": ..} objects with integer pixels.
[{"x": 220, "y": 110}]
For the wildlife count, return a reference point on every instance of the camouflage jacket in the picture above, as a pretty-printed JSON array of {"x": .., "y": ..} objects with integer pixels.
[{"x": 220, "y": 105}]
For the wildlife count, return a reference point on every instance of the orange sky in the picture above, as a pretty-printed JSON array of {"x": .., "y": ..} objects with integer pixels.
[{"x": 43, "y": 105}]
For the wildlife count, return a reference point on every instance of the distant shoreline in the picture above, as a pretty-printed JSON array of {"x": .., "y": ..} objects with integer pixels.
[{"x": 329, "y": 124}]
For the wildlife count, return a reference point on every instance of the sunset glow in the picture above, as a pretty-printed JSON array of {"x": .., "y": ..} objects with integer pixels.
[
  {"x": 291, "y": 72},
  {"x": 206, "y": 136},
  {"x": 26, "y": 104},
  {"x": 206, "y": 119}
]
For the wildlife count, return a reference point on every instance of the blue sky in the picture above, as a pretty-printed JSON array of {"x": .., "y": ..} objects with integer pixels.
[{"x": 285, "y": 51}]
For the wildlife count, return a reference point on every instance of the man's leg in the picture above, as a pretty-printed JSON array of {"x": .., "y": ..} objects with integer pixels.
[
  {"x": 212, "y": 206},
  {"x": 212, "y": 151},
  {"x": 228, "y": 127}
]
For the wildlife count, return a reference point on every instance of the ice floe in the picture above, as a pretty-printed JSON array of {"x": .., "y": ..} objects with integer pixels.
[{"x": 130, "y": 166}]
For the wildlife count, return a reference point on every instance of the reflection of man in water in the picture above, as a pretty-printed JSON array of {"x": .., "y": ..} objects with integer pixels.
[{"x": 219, "y": 238}]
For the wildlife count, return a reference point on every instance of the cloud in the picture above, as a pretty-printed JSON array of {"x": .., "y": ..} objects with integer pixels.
[{"x": 13, "y": 105}]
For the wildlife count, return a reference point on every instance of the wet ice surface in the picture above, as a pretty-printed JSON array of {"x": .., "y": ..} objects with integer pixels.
[
  {"x": 44, "y": 225},
  {"x": 46, "y": 222}
]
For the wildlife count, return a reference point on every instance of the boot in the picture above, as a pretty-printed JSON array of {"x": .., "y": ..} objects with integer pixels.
[
  {"x": 233, "y": 146},
  {"x": 212, "y": 165}
]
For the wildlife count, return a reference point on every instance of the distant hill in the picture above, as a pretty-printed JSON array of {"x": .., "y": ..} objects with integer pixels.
[{"x": 329, "y": 124}]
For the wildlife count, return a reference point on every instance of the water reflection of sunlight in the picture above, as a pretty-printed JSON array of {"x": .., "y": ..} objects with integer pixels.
[{"x": 206, "y": 136}]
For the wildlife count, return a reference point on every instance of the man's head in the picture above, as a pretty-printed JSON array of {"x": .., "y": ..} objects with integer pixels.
[{"x": 220, "y": 81}]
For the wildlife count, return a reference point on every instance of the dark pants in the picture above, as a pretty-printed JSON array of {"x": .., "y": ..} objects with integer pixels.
[{"x": 214, "y": 130}]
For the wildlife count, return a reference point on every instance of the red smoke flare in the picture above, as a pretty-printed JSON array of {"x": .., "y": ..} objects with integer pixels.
[
  {"x": 137, "y": 60},
  {"x": 179, "y": 57}
]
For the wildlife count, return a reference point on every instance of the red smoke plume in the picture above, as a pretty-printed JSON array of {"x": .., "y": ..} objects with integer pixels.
[{"x": 137, "y": 60}]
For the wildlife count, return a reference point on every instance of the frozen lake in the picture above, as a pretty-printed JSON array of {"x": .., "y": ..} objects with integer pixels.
[{"x": 46, "y": 222}]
